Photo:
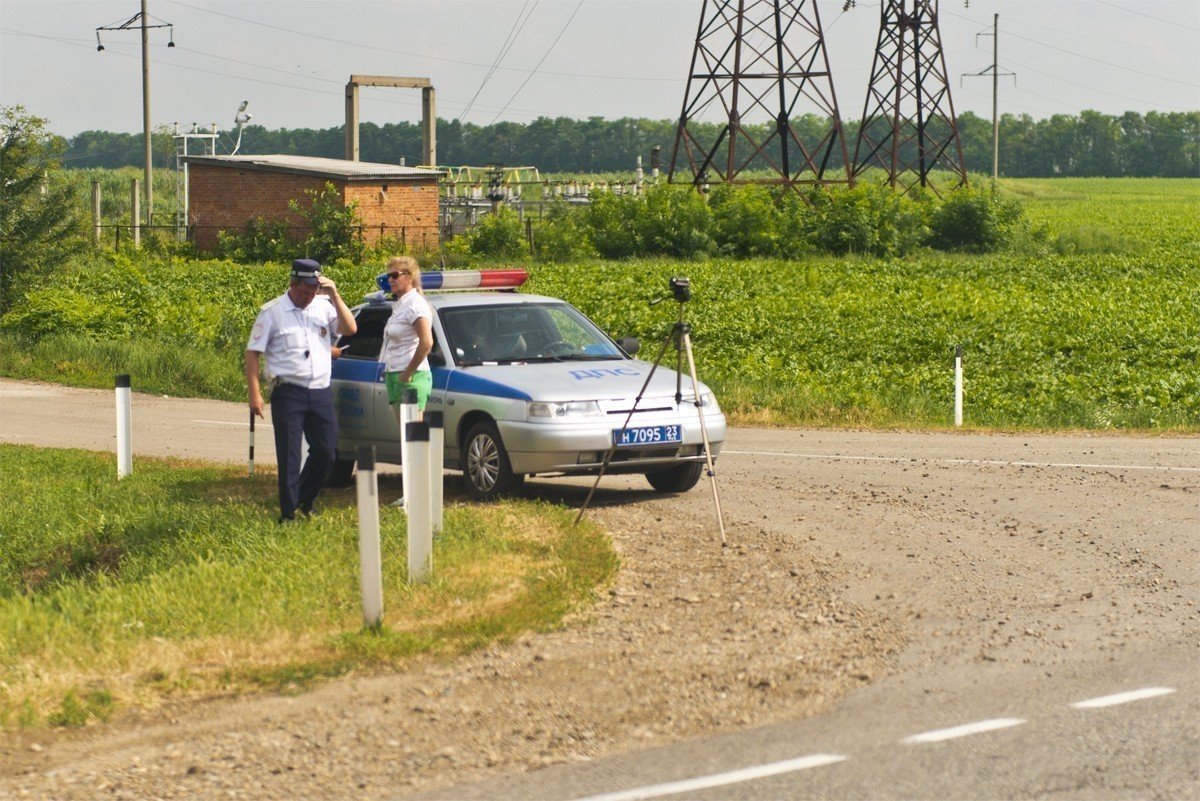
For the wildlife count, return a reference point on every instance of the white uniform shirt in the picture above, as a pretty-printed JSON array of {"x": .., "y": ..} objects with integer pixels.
[
  {"x": 400, "y": 338},
  {"x": 296, "y": 342}
]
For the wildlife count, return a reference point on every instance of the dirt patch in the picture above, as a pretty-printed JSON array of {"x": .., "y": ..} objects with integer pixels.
[{"x": 691, "y": 639}]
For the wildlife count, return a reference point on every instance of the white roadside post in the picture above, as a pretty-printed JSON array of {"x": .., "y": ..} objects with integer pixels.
[
  {"x": 124, "y": 428},
  {"x": 958, "y": 386},
  {"x": 416, "y": 493},
  {"x": 250, "y": 463},
  {"x": 369, "y": 562},
  {"x": 437, "y": 440},
  {"x": 408, "y": 414}
]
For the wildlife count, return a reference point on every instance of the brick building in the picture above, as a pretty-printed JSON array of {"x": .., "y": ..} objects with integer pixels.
[{"x": 226, "y": 192}]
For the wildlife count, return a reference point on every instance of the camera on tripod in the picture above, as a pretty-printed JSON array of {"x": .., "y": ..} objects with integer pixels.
[{"x": 681, "y": 287}]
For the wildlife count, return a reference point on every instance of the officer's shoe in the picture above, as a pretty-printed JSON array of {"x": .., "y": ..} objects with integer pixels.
[
  {"x": 286, "y": 520},
  {"x": 306, "y": 509},
  {"x": 398, "y": 502}
]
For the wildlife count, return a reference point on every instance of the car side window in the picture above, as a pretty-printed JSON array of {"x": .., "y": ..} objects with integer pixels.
[{"x": 368, "y": 342}]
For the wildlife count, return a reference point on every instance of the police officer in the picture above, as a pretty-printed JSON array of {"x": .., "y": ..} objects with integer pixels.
[{"x": 296, "y": 332}]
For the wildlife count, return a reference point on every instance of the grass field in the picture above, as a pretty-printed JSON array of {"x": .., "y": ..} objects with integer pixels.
[
  {"x": 177, "y": 581},
  {"x": 1094, "y": 326}
]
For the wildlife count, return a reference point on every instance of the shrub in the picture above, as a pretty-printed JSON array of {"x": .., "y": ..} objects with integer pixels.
[
  {"x": 871, "y": 219},
  {"x": 675, "y": 222},
  {"x": 335, "y": 230},
  {"x": 39, "y": 215},
  {"x": 974, "y": 219},
  {"x": 746, "y": 220},
  {"x": 498, "y": 235},
  {"x": 259, "y": 241},
  {"x": 610, "y": 221},
  {"x": 562, "y": 236}
]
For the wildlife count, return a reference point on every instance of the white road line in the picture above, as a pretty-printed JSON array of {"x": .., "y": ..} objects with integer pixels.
[
  {"x": 1123, "y": 698},
  {"x": 994, "y": 462},
  {"x": 719, "y": 779},
  {"x": 962, "y": 731}
]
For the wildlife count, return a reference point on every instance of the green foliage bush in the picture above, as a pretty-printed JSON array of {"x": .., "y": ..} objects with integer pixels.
[
  {"x": 499, "y": 235},
  {"x": 259, "y": 240},
  {"x": 746, "y": 220},
  {"x": 334, "y": 233},
  {"x": 40, "y": 221},
  {"x": 976, "y": 219},
  {"x": 868, "y": 219},
  {"x": 335, "y": 229},
  {"x": 562, "y": 236}
]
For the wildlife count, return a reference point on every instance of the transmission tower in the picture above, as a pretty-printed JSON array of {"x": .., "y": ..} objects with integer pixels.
[
  {"x": 908, "y": 125},
  {"x": 762, "y": 65}
]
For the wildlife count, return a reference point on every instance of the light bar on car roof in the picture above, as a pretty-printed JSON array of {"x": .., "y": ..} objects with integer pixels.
[{"x": 466, "y": 279}]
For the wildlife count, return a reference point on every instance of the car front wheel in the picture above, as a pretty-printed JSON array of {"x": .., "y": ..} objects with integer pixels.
[
  {"x": 679, "y": 478},
  {"x": 487, "y": 472}
]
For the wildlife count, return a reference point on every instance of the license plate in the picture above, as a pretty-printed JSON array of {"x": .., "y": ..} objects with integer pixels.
[{"x": 647, "y": 435}]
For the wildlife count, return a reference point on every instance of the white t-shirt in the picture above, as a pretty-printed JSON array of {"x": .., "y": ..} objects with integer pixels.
[
  {"x": 400, "y": 338},
  {"x": 296, "y": 341}
]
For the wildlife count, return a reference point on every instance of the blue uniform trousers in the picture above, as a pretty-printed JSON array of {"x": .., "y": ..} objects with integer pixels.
[{"x": 296, "y": 413}]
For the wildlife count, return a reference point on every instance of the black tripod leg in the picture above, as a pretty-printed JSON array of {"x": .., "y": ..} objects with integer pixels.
[
  {"x": 612, "y": 449},
  {"x": 712, "y": 473}
]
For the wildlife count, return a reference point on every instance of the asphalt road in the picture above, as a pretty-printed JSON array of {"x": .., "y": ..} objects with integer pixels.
[{"x": 1033, "y": 573}]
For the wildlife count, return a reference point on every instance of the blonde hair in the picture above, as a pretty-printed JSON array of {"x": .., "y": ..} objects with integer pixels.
[{"x": 410, "y": 264}]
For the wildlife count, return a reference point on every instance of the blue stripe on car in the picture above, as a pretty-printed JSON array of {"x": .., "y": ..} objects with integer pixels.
[
  {"x": 351, "y": 369},
  {"x": 461, "y": 381}
]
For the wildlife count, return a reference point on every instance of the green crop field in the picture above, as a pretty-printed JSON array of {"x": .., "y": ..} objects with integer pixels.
[{"x": 1094, "y": 324}]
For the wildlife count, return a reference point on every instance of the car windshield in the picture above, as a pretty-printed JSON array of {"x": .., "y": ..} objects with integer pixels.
[{"x": 523, "y": 332}]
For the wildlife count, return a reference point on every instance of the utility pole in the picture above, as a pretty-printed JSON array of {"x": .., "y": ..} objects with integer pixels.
[
  {"x": 994, "y": 71},
  {"x": 140, "y": 21}
]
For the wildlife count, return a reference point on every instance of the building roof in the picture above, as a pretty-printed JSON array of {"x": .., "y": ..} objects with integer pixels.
[{"x": 312, "y": 165}]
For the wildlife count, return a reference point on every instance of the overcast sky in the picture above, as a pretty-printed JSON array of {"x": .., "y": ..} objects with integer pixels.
[{"x": 609, "y": 58}]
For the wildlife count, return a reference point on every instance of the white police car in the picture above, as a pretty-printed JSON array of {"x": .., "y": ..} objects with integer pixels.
[{"x": 527, "y": 386}]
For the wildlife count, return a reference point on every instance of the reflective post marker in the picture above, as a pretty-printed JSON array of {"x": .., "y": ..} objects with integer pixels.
[
  {"x": 958, "y": 386},
  {"x": 369, "y": 562},
  {"x": 437, "y": 440},
  {"x": 408, "y": 414},
  {"x": 124, "y": 428},
  {"x": 250, "y": 469},
  {"x": 416, "y": 493}
]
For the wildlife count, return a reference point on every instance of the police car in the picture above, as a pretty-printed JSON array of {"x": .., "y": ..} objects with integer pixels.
[{"x": 528, "y": 386}]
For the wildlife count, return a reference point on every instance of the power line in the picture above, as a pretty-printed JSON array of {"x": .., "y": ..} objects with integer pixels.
[
  {"x": 1147, "y": 16},
  {"x": 509, "y": 40},
  {"x": 537, "y": 66},
  {"x": 1107, "y": 63},
  {"x": 392, "y": 51}
]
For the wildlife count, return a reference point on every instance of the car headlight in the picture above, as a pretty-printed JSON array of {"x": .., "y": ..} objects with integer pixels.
[
  {"x": 547, "y": 410},
  {"x": 708, "y": 402}
]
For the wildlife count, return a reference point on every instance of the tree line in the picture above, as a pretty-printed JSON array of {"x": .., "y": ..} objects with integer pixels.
[{"x": 1089, "y": 144}]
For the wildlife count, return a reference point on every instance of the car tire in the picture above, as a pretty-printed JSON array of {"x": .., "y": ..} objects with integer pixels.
[
  {"x": 679, "y": 478},
  {"x": 341, "y": 474},
  {"x": 487, "y": 472}
]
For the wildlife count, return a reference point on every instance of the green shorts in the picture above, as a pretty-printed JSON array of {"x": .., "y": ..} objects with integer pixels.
[{"x": 422, "y": 382}]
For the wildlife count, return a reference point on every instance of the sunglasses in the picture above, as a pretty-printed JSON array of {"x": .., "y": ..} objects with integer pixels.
[{"x": 395, "y": 275}]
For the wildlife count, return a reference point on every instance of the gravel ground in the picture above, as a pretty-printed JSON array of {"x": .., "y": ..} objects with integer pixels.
[
  {"x": 854, "y": 558},
  {"x": 692, "y": 638}
]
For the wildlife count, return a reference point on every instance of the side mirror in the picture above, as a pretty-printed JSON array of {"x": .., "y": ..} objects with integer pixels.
[{"x": 630, "y": 345}]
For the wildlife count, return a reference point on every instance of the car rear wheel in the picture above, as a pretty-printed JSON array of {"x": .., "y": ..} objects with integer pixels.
[
  {"x": 341, "y": 474},
  {"x": 679, "y": 478},
  {"x": 487, "y": 473}
]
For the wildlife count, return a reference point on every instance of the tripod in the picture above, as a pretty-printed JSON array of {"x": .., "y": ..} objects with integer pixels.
[{"x": 680, "y": 335}]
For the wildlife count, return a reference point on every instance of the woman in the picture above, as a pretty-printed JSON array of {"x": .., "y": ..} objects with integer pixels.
[{"x": 408, "y": 336}]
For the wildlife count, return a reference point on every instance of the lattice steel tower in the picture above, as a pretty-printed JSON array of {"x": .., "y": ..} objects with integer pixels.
[
  {"x": 908, "y": 125},
  {"x": 763, "y": 65}
]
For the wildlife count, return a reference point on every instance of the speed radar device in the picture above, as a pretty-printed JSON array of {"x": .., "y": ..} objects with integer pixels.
[{"x": 680, "y": 336}]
